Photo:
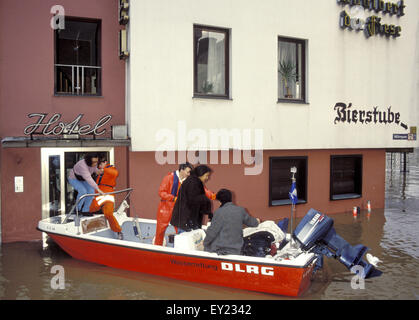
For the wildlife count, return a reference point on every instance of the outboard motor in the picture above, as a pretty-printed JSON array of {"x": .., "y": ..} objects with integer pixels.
[{"x": 316, "y": 233}]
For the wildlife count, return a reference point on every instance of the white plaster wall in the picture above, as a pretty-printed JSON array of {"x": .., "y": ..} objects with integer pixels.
[{"x": 342, "y": 66}]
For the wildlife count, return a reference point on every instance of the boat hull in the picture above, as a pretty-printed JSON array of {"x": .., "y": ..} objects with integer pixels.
[{"x": 247, "y": 275}]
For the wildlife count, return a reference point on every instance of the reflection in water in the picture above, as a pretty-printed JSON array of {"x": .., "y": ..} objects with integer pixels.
[{"x": 391, "y": 234}]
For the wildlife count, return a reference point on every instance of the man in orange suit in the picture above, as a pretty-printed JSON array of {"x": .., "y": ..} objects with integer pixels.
[
  {"x": 106, "y": 203},
  {"x": 168, "y": 191}
]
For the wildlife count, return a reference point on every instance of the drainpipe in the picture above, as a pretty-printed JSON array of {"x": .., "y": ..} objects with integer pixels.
[
  {"x": 403, "y": 162},
  {"x": 0, "y": 194}
]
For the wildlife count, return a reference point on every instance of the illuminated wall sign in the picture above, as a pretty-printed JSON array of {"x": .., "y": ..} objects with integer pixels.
[
  {"x": 372, "y": 25},
  {"x": 53, "y": 126},
  {"x": 344, "y": 113}
]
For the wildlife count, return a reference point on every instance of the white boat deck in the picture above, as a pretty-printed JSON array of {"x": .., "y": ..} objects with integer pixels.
[{"x": 97, "y": 229}]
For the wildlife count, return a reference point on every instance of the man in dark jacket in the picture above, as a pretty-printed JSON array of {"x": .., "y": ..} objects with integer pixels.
[
  {"x": 225, "y": 234},
  {"x": 192, "y": 201}
]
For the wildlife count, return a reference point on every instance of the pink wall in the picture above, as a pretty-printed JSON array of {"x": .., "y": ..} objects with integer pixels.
[
  {"x": 20, "y": 211},
  {"x": 27, "y": 64},
  {"x": 252, "y": 192},
  {"x": 121, "y": 163}
]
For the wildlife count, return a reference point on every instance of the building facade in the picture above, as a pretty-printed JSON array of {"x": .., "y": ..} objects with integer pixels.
[
  {"x": 250, "y": 89},
  {"x": 253, "y": 89}
]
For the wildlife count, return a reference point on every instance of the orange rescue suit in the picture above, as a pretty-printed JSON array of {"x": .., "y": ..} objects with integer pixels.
[
  {"x": 165, "y": 208},
  {"x": 107, "y": 183},
  {"x": 166, "y": 205}
]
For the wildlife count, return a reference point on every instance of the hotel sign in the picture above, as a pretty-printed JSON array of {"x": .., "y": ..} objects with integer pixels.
[
  {"x": 372, "y": 25},
  {"x": 53, "y": 125}
]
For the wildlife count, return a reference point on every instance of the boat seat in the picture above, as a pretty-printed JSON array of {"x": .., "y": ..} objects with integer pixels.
[
  {"x": 147, "y": 233},
  {"x": 95, "y": 224}
]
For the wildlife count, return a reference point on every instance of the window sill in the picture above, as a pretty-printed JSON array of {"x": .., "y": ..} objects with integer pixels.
[
  {"x": 77, "y": 95},
  {"x": 295, "y": 101},
  {"x": 285, "y": 202},
  {"x": 345, "y": 196},
  {"x": 196, "y": 96}
]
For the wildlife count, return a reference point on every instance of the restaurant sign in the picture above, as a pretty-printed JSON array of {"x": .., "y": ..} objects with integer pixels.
[
  {"x": 346, "y": 113},
  {"x": 372, "y": 25}
]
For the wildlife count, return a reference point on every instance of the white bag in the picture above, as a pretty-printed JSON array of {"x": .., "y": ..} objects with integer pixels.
[
  {"x": 269, "y": 226},
  {"x": 192, "y": 240}
]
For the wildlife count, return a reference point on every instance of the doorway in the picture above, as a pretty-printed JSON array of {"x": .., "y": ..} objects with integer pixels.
[{"x": 58, "y": 195}]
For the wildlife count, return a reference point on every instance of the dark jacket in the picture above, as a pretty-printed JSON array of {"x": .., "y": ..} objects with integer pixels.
[
  {"x": 191, "y": 205},
  {"x": 225, "y": 234}
]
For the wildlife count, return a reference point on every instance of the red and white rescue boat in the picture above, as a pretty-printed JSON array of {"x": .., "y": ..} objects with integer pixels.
[{"x": 90, "y": 239}]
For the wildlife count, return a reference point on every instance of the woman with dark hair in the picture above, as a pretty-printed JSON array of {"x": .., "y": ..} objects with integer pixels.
[
  {"x": 80, "y": 178},
  {"x": 193, "y": 200}
]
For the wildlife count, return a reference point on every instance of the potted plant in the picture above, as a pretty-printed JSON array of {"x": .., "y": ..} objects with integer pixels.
[
  {"x": 287, "y": 71},
  {"x": 207, "y": 86}
]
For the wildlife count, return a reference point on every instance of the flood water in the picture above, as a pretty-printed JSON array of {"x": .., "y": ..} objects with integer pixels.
[{"x": 391, "y": 234}]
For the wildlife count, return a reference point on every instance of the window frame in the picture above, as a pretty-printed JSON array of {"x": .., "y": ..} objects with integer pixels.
[
  {"x": 358, "y": 175},
  {"x": 303, "y": 86},
  {"x": 226, "y": 31},
  {"x": 302, "y": 196},
  {"x": 99, "y": 59}
]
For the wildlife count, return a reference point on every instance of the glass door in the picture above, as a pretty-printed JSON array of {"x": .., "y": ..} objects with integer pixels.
[
  {"x": 54, "y": 185},
  {"x": 58, "y": 196}
]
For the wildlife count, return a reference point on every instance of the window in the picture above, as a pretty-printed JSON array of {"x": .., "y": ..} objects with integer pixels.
[
  {"x": 345, "y": 177},
  {"x": 280, "y": 179},
  {"x": 211, "y": 62},
  {"x": 291, "y": 70},
  {"x": 77, "y": 58}
]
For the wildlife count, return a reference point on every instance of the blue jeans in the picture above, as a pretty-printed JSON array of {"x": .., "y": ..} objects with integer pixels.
[{"x": 82, "y": 188}]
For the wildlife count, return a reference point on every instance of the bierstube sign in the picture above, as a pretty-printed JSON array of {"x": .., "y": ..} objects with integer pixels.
[{"x": 349, "y": 114}]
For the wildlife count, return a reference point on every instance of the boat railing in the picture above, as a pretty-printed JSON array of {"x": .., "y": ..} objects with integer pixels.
[{"x": 128, "y": 190}]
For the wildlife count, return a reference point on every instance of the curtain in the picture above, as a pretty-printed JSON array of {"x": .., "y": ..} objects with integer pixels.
[
  {"x": 288, "y": 53},
  {"x": 211, "y": 63}
]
